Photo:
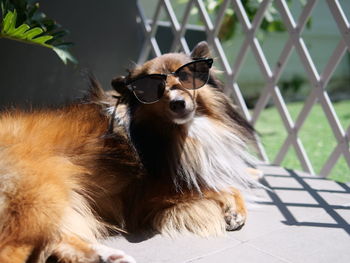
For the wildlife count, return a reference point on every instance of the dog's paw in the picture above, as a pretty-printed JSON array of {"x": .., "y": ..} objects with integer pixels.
[
  {"x": 234, "y": 220},
  {"x": 111, "y": 255}
]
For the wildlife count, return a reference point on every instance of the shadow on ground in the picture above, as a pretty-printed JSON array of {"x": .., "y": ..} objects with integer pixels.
[{"x": 321, "y": 191}]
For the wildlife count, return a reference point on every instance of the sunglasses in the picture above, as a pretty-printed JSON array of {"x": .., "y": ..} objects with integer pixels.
[{"x": 150, "y": 88}]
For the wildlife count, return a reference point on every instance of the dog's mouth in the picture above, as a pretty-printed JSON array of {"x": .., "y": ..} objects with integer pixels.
[{"x": 182, "y": 117}]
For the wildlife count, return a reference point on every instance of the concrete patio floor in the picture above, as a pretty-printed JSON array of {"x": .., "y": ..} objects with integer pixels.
[{"x": 304, "y": 219}]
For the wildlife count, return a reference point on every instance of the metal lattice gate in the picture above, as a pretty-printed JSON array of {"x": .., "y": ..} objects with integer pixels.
[{"x": 271, "y": 76}]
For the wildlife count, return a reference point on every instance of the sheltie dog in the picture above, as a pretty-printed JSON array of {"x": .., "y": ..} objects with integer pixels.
[{"x": 170, "y": 157}]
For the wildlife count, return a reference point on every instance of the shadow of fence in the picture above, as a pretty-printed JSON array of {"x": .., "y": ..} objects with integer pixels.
[{"x": 309, "y": 192}]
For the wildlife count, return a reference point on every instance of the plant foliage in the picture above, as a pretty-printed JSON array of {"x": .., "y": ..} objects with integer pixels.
[
  {"x": 21, "y": 20},
  {"x": 270, "y": 23}
]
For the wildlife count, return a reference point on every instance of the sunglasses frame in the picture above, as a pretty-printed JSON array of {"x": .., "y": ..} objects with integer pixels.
[{"x": 164, "y": 77}]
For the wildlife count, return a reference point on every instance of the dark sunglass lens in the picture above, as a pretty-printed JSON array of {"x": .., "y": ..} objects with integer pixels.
[
  {"x": 149, "y": 89},
  {"x": 194, "y": 75}
]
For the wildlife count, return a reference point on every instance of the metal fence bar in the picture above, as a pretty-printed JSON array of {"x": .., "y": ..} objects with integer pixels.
[
  {"x": 329, "y": 69},
  {"x": 271, "y": 75},
  {"x": 220, "y": 17},
  {"x": 216, "y": 42},
  {"x": 179, "y": 36},
  {"x": 283, "y": 58},
  {"x": 150, "y": 33},
  {"x": 173, "y": 20},
  {"x": 146, "y": 29},
  {"x": 340, "y": 19},
  {"x": 334, "y": 156},
  {"x": 205, "y": 17},
  {"x": 288, "y": 123}
]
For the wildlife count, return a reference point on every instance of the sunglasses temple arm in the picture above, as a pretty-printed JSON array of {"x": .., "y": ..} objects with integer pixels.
[
  {"x": 129, "y": 87},
  {"x": 193, "y": 79}
]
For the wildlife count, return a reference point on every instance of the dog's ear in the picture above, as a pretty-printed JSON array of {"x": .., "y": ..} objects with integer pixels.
[
  {"x": 201, "y": 50},
  {"x": 118, "y": 83}
]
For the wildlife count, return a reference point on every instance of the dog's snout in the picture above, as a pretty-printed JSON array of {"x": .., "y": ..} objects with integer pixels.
[{"x": 177, "y": 105}]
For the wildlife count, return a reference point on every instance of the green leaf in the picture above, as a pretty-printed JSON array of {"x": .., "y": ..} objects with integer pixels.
[
  {"x": 24, "y": 32},
  {"x": 60, "y": 33},
  {"x": 21, "y": 20},
  {"x": 309, "y": 23},
  {"x": 6, "y": 24},
  {"x": 12, "y": 22},
  {"x": 20, "y": 30},
  {"x": 41, "y": 40},
  {"x": 64, "y": 55},
  {"x": 35, "y": 35},
  {"x": 30, "y": 34}
]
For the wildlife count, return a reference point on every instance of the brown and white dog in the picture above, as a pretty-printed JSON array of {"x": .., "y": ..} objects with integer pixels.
[{"x": 73, "y": 175}]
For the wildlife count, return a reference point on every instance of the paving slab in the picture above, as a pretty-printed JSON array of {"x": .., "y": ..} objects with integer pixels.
[
  {"x": 345, "y": 214},
  {"x": 283, "y": 182},
  {"x": 306, "y": 244},
  {"x": 320, "y": 184},
  {"x": 261, "y": 221},
  {"x": 173, "y": 250},
  {"x": 241, "y": 253},
  {"x": 303, "y": 218}
]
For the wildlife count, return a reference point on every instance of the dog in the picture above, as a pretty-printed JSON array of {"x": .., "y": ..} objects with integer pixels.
[{"x": 165, "y": 151}]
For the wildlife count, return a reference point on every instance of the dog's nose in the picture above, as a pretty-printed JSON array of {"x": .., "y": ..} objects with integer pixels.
[{"x": 177, "y": 105}]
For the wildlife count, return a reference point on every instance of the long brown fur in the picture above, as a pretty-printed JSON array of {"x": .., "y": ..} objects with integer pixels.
[{"x": 67, "y": 180}]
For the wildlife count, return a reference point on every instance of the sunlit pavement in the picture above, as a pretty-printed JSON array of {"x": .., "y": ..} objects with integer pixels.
[{"x": 303, "y": 218}]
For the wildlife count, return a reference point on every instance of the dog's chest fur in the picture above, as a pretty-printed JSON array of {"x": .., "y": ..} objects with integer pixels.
[{"x": 201, "y": 154}]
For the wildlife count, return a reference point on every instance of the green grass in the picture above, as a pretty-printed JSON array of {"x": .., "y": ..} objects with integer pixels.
[{"x": 315, "y": 134}]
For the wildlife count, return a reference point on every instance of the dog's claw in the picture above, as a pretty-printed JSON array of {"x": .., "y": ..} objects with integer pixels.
[{"x": 234, "y": 221}]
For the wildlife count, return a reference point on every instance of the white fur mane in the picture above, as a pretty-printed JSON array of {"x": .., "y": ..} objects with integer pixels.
[
  {"x": 219, "y": 159},
  {"x": 213, "y": 156}
]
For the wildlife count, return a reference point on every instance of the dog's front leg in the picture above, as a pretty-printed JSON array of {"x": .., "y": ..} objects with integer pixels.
[
  {"x": 233, "y": 206},
  {"x": 205, "y": 214}
]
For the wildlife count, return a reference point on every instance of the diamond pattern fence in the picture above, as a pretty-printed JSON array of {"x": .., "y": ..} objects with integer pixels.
[{"x": 295, "y": 27}]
